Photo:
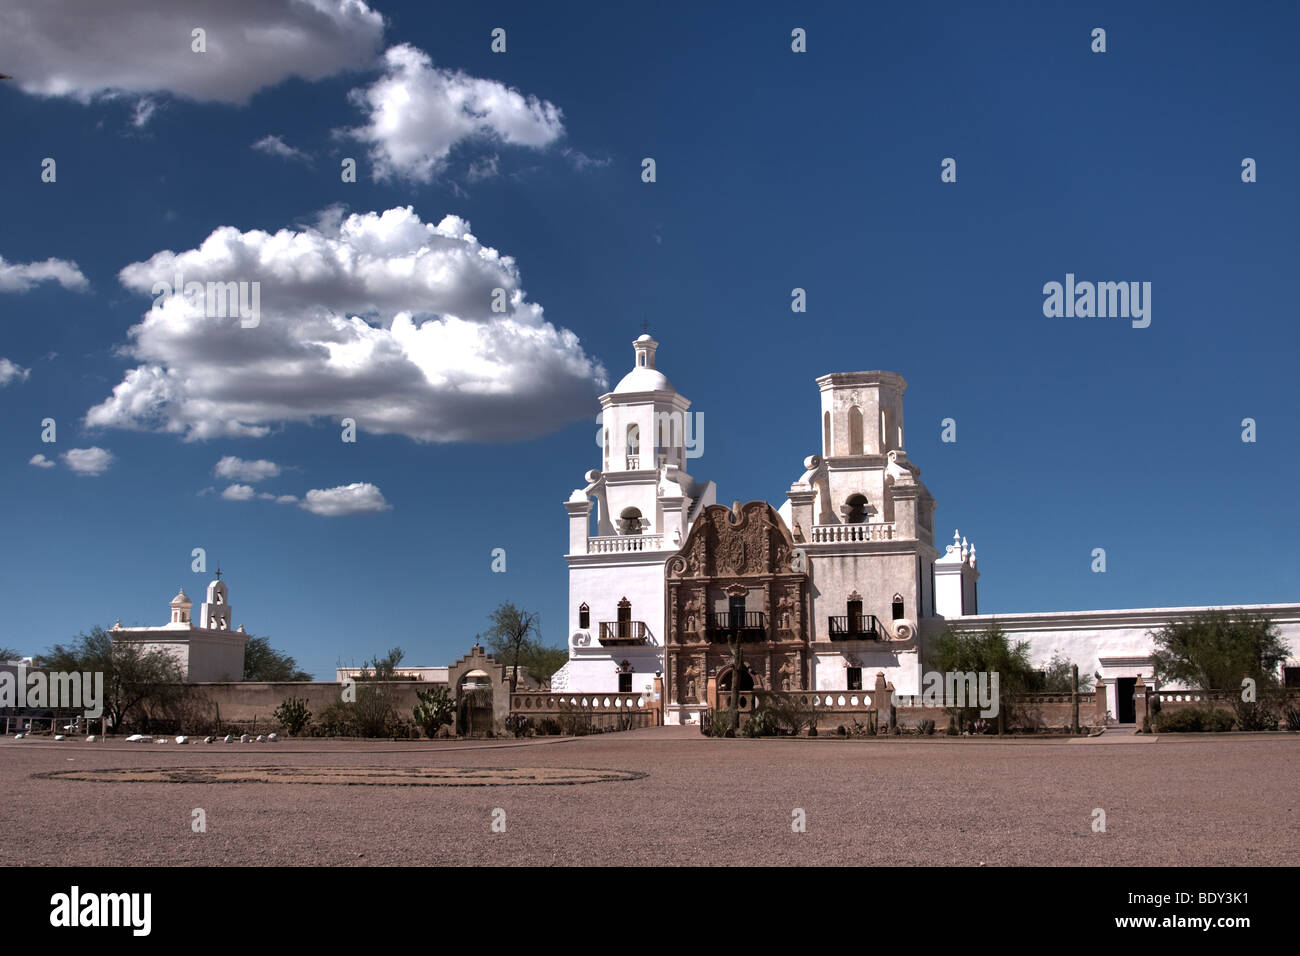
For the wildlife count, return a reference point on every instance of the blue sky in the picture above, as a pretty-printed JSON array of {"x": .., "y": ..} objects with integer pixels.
[{"x": 775, "y": 170}]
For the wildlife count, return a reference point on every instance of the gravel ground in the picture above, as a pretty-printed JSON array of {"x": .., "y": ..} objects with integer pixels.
[{"x": 1169, "y": 802}]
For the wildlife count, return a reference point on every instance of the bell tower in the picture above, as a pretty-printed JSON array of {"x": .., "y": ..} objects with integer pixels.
[{"x": 214, "y": 613}]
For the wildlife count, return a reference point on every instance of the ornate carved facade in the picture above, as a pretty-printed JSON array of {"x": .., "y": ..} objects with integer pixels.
[{"x": 738, "y": 577}]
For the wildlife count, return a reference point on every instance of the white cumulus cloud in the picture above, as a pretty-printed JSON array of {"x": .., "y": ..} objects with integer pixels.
[
  {"x": 40, "y": 461},
  {"x": 21, "y": 276},
  {"x": 238, "y": 493},
  {"x": 360, "y": 497},
  {"x": 11, "y": 372},
  {"x": 238, "y": 469},
  {"x": 88, "y": 461},
  {"x": 377, "y": 317},
  {"x": 85, "y": 50},
  {"x": 417, "y": 112}
]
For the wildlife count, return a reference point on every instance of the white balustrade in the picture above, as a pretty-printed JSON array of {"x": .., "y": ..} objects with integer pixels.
[
  {"x": 874, "y": 531},
  {"x": 619, "y": 543}
]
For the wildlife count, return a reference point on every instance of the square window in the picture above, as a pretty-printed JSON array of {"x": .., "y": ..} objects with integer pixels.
[
  {"x": 855, "y": 678},
  {"x": 625, "y": 683}
]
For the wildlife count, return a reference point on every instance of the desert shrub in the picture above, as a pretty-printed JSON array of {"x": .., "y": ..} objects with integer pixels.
[
  {"x": 292, "y": 715},
  {"x": 546, "y": 727},
  {"x": 841, "y": 731},
  {"x": 952, "y": 730},
  {"x": 1292, "y": 718},
  {"x": 1190, "y": 720},
  {"x": 718, "y": 724},
  {"x": 791, "y": 715},
  {"x": 925, "y": 727},
  {"x": 575, "y": 724},
  {"x": 762, "y": 723},
  {"x": 434, "y": 708},
  {"x": 1219, "y": 721},
  {"x": 1263, "y": 714},
  {"x": 334, "y": 721}
]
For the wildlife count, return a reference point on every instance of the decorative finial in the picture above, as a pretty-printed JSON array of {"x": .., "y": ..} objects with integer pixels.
[
  {"x": 645, "y": 327},
  {"x": 218, "y": 572}
]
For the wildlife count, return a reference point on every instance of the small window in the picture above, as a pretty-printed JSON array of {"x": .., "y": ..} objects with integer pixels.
[
  {"x": 855, "y": 616},
  {"x": 625, "y": 683},
  {"x": 898, "y": 607},
  {"x": 855, "y": 678},
  {"x": 584, "y": 616}
]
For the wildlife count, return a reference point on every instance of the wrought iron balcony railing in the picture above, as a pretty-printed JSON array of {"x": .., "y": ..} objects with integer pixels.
[
  {"x": 749, "y": 626},
  {"x": 613, "y": 633},
  {"x": 856, "y": 627}
]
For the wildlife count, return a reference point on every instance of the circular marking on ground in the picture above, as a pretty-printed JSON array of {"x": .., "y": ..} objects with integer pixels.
[{"x": 353, "y": 776}]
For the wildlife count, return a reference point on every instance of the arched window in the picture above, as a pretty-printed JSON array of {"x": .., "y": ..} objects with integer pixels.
[
  {"x": 855, "y": 509},
  {"x": 633, "y": 440},
  {"x": 898, "y": 607},
  {"x": 855, "y": 613},
  {"x": 605, "y": 445},
  {"x": 584, "y": 616},
  {"x": 855, "y": 431},
  {"x": 826, "y": 435},
  {"x": 629, "y": 521}
]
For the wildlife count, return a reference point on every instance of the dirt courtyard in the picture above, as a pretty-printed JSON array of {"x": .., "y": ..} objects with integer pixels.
[{"x": 673, "y": 798}]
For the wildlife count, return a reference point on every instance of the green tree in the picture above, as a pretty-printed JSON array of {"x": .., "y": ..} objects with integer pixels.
[
  {"x": 1057, "y": 678},
  {"x": 264, "y": 663},
  {"x": 512, "y": 634},
  {"x": 1216, "y": 650},
  {"x": 137, "y": 678},
  {"x": 1219, "y": 650},
  {"x": 9, "y": 654},
  {"x": 989, "y": 651}
]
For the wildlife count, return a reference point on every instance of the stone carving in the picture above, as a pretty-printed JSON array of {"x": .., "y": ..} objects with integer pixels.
[
  {"x": 581, "y": 638},
  {"x": 784, "y": 609},
  {"x": 798, "y": 560},
  {"x": 785, "y": 672},
  {"x": 691, "y": 675}
]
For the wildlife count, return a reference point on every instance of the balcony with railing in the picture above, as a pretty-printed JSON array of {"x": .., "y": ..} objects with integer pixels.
[
  {"x": 865, "y": 531},
  {"x": 622, "y": 633},
  {"x": 621, "y": 543},
  {"x": 724, "y": 626},
  {"x": 856, "y": 627}
]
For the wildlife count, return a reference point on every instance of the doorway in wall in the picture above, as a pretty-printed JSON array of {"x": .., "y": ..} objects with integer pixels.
[{"x": 1126, "y": 711}]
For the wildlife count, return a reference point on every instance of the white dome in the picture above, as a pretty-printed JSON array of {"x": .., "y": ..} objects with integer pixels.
[{"x": 643, "y": 379}]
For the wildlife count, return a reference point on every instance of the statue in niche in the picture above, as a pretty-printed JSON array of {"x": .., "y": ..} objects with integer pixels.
[
  {"x": 785, "y": 672},
  {"x": 784, "y": 607},
  {"x": 691, "y": 676}
]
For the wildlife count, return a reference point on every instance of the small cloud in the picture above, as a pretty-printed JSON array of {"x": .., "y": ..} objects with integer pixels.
[
  {"x": 209, "y": 490},
  {"x": 287, "y": 500},
  {"x": 143, "y": 110},
  {"x": 88, "y": 461},
  {"x": 238, "y": 469},
  {"x": 487, "y": 167},
  {"x": 21, "y": 276},
  {"x": 40, "y": 461},
  {"x": 238, "y": 493},
  {"x": 360, "y": 497},
  {"x": 9, "y": 372},
  {"x": 582, "y": 162},
  {"x": 274, "y": 145}
]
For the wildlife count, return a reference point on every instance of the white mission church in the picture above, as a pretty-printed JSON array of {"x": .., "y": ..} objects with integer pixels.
[{"x": 844, "y": 580}]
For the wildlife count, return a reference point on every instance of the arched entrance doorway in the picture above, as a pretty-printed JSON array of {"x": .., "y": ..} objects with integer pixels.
[
  {"x": 746, "y": 679},
  {"x": 474, "y": 703}
]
